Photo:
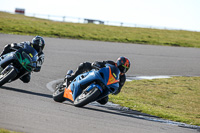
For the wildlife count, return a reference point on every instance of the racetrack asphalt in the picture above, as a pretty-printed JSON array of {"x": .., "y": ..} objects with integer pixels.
[{"x": 30, "y": 108}]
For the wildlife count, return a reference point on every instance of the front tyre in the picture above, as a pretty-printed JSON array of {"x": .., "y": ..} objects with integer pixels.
[
  {"x": 86, "y": 97},
  {"x": 7, "y": 74}
]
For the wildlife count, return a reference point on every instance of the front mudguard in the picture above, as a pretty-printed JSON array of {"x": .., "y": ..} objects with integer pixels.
[
  {"x": 94, "y": 85},
  {"x": 6, "y": 59}
]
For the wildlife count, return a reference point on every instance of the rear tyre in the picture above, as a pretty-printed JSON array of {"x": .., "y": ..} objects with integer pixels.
[
  {"x": 58, "y": 93},
  {"x": 8, "y": 74},
  {"x": 86, "y": 97}
]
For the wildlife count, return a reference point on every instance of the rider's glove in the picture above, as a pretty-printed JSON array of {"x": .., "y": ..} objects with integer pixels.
[
  {"x": 96, "y": 64},
  {"x": 16, "y": 46},
  {"x": 39, "y": 63}
]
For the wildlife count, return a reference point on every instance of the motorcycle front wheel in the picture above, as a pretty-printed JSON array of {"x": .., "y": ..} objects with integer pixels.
[
  {"x": 8, "y": 74},
  {"x": 86, "y": 97}
]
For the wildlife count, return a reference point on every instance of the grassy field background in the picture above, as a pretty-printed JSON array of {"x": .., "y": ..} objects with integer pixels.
[
  {"x": 176, "y": 98},
  {"x": 20, "y": 24}
]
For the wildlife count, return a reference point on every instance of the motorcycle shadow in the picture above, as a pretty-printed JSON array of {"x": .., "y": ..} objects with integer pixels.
[
  {"x": 26, "y": 91},
  {"x": 132, "y": 113},
  {"x": 110, "y": 110}
]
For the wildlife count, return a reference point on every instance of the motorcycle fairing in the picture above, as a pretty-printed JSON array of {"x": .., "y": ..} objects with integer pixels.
[
  {"x": 108, "y": 75},
  {"x": 112, "y": 79},
  {"x": 68, "y": 93},
  {"x": 19, "y": 55},
  {"x": 27, "y": 57},
  {"x": 75, "y": 86}
]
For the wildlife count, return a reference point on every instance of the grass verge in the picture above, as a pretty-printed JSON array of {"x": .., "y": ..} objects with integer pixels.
[
  {"x": 20, "y": 24},
  {"x": 175, "y": 98},
  {"x": 6, "y": 131}
]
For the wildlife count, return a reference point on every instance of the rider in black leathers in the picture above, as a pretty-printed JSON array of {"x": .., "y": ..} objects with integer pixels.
[
  {"x": 122, "y": 63},
  {"x": 38, "y": 44}
]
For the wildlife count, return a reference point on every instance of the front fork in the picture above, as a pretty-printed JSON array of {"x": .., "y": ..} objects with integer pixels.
[
  {"x": 1, "y": 69},
  {"x": 8, "y": 68}
]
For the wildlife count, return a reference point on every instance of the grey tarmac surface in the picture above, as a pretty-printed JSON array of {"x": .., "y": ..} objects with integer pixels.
[{"x": 30, "y": 108}]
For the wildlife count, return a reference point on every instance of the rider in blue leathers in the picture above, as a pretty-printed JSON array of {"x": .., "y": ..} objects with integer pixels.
[
  {"x": 122, "y": 63},
  {"x": 38, "y": 44}
]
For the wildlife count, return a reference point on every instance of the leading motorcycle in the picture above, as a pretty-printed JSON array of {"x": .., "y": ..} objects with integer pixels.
[
  {"x": 89, "y": 87},
  {"x": 18, "y": 63}
]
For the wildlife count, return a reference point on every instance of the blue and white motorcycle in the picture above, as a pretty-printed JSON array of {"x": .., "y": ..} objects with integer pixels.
[{"x": 90, "y": 86}]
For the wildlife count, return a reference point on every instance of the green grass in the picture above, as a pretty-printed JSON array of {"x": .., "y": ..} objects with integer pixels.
[
  {"x": 175, "y": 98},
  {"x": 20, "y": 24},
  {"x": 6, "y": 131}
]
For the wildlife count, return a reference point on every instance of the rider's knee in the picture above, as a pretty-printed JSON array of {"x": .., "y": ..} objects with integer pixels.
[{"x": 26, "y": 78}]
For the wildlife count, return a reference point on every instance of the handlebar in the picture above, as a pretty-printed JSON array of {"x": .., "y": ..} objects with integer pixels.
[{"x": 95, "y": 66}]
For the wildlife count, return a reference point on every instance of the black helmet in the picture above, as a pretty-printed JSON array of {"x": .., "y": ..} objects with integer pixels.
[
  {"x": 38, "y": 43},
  {"x": 123, "y": 64}
]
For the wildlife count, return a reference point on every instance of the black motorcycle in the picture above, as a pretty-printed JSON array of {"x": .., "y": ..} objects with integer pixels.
[{"x": 16, "y": 64}]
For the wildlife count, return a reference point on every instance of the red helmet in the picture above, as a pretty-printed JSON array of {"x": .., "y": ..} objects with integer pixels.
[{"x": 123, "y": 64}]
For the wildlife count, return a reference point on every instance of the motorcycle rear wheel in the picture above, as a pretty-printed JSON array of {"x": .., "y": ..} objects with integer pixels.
[
  {"x": 58, "y": 95},
  {"x": 86, "y": 97},
  {"x": 8, "y": 75}
]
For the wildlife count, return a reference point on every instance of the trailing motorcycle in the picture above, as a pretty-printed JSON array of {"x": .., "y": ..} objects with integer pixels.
[
  {"x": 89, "y": 86},
  {"x": 16, "y": 64}
]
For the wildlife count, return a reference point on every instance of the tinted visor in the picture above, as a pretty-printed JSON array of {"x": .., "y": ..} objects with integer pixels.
[{"x": 123, "y": 69}]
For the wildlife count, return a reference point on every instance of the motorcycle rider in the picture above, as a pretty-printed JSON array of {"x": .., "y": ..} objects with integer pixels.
[
  {"x": 38, "y": 44},
  {"x": 122, "y": 63}
]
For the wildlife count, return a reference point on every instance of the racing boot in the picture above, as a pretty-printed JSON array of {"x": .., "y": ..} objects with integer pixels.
[{"x": 103, "y": 101}]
